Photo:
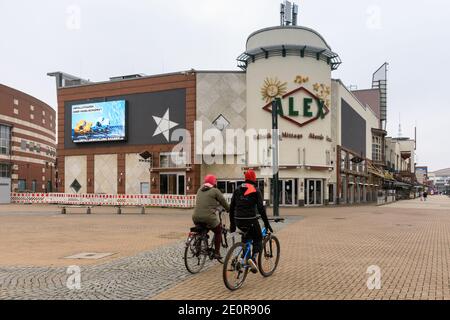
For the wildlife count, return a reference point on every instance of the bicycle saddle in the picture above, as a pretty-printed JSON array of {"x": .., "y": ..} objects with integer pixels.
[{"x": 199, "y": 228}]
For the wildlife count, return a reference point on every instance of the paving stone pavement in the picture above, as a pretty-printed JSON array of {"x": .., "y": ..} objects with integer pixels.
[
  {"x": 141, "y": 276},
  {"x": 330, "y": 254}
]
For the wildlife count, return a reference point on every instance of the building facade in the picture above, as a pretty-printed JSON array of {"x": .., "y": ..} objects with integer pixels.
[
  {"x": 27, "y": 142},
  {"x": 440, "y": 180},
  {"x": 332, "y": 146},
  {"x": 142, "y": 160}
]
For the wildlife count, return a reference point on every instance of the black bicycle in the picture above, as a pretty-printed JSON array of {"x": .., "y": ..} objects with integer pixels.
[
  {"x": 237, "y": 265},
  {"x": 198, "y": 247}
]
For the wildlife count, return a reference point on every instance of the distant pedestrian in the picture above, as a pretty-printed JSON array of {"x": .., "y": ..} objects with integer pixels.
[
  {"x": 421, "y": 196},
  {"x": 425, "y": 195}
]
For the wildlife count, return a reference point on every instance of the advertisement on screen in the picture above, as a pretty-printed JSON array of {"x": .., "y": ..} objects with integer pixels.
[{"x": 99, "y": 121}]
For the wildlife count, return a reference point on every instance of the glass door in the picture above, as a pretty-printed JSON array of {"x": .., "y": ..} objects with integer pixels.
[
  {"x": 314, "y": 192},
  {"x": 318, "y": 193},
  {"x": 287, "y": 189},
  {"x": 172, "y": 183}
]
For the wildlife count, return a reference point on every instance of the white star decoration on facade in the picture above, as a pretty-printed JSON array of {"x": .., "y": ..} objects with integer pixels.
[{"x": 164, "y": 125}]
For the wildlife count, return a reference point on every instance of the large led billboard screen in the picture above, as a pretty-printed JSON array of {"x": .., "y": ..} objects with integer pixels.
[{"x": 99, "y": 121}]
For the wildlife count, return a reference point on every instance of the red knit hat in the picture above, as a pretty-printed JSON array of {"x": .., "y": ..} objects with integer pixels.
[
  {"x": 211, "y": 179},
  {"x": 250, "y": 175}
]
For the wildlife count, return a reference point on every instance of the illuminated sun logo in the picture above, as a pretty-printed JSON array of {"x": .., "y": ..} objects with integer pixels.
[{"x": 273, "y": 88}]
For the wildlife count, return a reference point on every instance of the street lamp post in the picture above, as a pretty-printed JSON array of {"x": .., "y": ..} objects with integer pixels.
[{"x": 275, "y": 141}]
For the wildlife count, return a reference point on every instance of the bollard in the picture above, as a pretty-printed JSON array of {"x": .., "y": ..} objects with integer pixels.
[
  {"x": 88, "y": 211},
  {"x": 119, "y": 210},
  {"x": 142, "y": 210},
  {"x": 63, "y": 210}
]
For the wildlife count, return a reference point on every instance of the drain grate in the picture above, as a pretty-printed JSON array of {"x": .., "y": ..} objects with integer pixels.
[
  {"x": 340, "y": 218},
  {"x": 403, "y": 225},
  {"x": 90, "y": 255}
]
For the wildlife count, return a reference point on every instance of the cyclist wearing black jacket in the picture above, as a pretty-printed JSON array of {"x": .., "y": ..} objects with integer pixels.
[{"x": 246, "y": 203}]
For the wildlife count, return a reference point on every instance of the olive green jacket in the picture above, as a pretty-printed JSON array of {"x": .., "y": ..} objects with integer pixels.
[{"x": 208, "y": 199}]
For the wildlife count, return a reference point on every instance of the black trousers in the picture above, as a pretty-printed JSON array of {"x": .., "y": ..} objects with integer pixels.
[{"x": 253, "y": 232}]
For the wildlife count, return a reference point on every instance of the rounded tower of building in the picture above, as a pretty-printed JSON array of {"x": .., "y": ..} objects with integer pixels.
[{"x": 292, "y": 65}]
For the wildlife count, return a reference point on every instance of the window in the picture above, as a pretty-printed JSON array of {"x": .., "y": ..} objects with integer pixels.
[
  {"x": 230, "y": 186},
  {"x": 16, "y": 102},
  {"x": 145, "y": 188},
  {"x": 343, "y": 160},
  {"x": 328, "y": 157},
  {"x": 5, "y": 138},
  {"x": 376, "y": 148},
  {"x": 23, "y": 145},
  {"x": 33, "y": 186},
  {"x": 5, "y": 170},
  {"x": 172, "y": 160},
  {"x": 22, "y": 185},
  {"x": 172, "y": 183}
]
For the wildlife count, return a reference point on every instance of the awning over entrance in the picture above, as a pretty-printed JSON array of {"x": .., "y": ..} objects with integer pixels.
[
  {"x": 375, "y": 171},
  {"x": 399, "y": 184},
  {"x": 388, "y": 176}
]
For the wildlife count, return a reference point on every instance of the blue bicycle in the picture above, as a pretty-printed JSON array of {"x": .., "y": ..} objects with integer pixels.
[{"x": 238, "y": 260}]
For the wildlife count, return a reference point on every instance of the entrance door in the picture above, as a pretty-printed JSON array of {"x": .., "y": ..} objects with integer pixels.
[
  {"x": 172, "y": 183},
  {"x": 314, "y": 192},
  {"x": 288, "y": 192},
  {"x": 287, "y": 189}
]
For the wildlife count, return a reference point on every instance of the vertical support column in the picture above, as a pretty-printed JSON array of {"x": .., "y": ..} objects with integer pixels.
[
  {"x": 90, "y": 173},
  {"x": 326, "y": 196},
  {"x": 121, "y": 173},
  {"x": 338, "y": 175},
  {"x": 275, "y": 145},
  {"x": 301, "y": 192},
  {"x": 154, "y": 176}
]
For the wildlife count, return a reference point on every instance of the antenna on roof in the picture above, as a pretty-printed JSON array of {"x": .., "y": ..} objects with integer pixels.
[
  {"x": 288, "y": 13},
  {"x": 399, "y": 126}
]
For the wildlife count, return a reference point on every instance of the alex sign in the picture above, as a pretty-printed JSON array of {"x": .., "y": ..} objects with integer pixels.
[{"x": 300, "y": 106}]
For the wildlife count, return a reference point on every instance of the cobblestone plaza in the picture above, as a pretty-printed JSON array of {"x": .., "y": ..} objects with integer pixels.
[{"x": 325, "y": 254}]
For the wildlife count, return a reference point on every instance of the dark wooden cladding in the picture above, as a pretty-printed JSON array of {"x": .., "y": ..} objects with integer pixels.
[
  {"x": 119, "y": 88},
  {"x": 121, "y": 173},
  {"x": 90, "y": 168}
]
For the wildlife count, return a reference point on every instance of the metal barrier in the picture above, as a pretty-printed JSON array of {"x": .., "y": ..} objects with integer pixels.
[{"x": 118, "y": 200}]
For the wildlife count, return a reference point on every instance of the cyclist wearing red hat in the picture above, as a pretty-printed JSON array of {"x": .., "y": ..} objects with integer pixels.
[
  {"x": 246, "y": 202},
  {"x": 207, "y": 201}
]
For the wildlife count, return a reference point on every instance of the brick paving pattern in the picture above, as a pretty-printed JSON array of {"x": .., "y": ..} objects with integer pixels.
[
  {"x": 325, "y": 253},
  {"x": 326, "y": 256}
]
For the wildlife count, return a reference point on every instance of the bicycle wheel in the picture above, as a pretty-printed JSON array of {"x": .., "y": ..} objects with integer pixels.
[
  {"x": 195, "y": 254},
  {"x": 234, "y": 269},
  {"x": 270, "y": 255}
]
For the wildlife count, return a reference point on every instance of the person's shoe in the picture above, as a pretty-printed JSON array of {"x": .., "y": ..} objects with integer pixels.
[
  {"x": 218, "y": 256},
  {"x": 253, "y": 266}
]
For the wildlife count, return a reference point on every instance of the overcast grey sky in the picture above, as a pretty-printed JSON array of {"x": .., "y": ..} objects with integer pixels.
[{"x": 97, "y": 39}]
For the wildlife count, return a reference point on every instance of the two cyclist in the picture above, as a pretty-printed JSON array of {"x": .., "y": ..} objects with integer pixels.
[{"x": 246, "y": 203}]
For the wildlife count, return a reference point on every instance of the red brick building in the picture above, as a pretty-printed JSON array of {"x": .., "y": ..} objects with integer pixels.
[{"x": 27, "y": 142}]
